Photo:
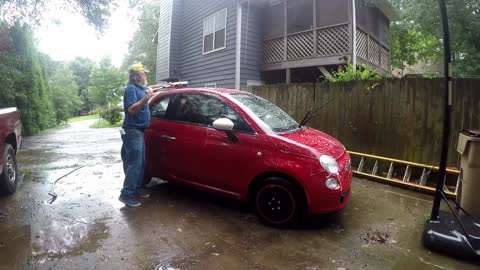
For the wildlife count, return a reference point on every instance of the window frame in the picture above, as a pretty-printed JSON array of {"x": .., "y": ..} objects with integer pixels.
[
  {"x": 214, "y": 31},
  {"x": 165, "y": 118},
  {"x": 211, "y": 85}
]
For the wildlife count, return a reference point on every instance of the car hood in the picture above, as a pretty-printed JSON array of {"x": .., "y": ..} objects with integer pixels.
[{"x": 322, "y": 143}]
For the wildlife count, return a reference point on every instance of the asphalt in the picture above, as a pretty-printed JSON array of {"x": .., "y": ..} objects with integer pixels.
[{"x": 65, "y": 215}]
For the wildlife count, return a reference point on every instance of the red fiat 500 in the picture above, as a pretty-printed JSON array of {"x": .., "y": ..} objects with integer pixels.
[{"x": 242, "y": 146}]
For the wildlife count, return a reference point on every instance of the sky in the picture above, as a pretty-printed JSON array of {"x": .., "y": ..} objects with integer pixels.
[{"x": 64, "y": 35}]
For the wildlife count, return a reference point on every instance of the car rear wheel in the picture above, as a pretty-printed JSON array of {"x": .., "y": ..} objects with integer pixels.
[
  {"x": 278, "y": 202},
  {"x": 8, "y": 179}
]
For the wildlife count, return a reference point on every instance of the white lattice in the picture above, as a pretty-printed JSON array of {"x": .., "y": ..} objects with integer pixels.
[
  {"x": 300, "y": 46},
  {"x": 374, "y": 51},
  {"x": 333, "y": 41},
  {"x": 274, "y": 50},
  {"x": 362, "y": 44},
  {"x": 384, "y": 58}
]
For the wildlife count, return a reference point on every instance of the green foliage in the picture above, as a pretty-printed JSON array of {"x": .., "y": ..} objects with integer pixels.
[
  {"x": 81, "y": 68},
  {"x": 24, "y": 85},
  {"x": 65, "y": 98},
  {"x": 113, "y": 115},
  {"x": 141, "y": 49},
  {"x": 349, "y": 73},
  {"x": 96, "y": 12},
  {"x": 464, "y": 22},
  {"x": 105, "y": 124},
  {"x": 106, "y": 84},
  {"x": 409, "y": 46},
  {"x": 83, "y": 118}
]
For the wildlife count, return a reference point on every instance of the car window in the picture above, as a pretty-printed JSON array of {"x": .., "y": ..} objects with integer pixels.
[
  {"x": 159, "y": 109},
  {"x": 202, "y": 109}
]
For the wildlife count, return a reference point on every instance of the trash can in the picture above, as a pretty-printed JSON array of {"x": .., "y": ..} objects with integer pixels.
[{"x": 469, "y": 189}]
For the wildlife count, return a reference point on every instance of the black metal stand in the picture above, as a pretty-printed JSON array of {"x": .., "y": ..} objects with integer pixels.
[{"x": 451, "y": 233}]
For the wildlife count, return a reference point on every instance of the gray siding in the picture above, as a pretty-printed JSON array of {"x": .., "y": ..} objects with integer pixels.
[
  {"x": 252, "y": 45},
  {"x": 216, "y": 67},
  {"x": 164, "y": 39},
  {"x": 176, "y": 39}
]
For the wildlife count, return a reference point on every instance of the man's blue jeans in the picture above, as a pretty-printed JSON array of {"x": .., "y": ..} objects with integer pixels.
[{"x": 133, "y": 157}]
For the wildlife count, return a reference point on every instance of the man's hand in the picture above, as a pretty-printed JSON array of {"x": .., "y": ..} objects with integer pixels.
[{"x": 149, "y": 93}]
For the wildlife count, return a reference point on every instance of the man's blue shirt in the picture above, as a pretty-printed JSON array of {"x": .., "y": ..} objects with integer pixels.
[{"x": 134, "y": 93}]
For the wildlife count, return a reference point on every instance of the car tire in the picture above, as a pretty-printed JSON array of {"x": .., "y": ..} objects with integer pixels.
[
  {"x": 9, "y": 177},
  {"x": 279, "y": 202}
]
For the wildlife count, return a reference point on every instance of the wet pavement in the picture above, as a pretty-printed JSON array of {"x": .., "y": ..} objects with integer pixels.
[{"x": 76, "y": 221}]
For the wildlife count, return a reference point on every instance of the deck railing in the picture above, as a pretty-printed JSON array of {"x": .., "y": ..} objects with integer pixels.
[
  {"x": 320, "y": 42},
  {"x": 323, "y": 42}
]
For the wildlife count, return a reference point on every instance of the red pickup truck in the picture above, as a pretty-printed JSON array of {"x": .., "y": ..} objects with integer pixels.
[{"x": 10, "y": 141}]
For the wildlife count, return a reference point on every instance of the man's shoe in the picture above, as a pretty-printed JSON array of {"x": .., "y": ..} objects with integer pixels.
[
  {"x": 142, "y": 194},
  {"x": 128, "y": 201}
]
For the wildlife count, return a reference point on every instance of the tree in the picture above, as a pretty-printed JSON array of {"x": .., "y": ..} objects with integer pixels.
[
  {"x": 65, "y": 99},
  {"x": 96, "y": 12},
  {"x": 81, "y": 68},
  {"x": 409, "y": 46},
  {"x": 464, "y": 20},
  {"x": 24, "y": 84},
  {"x": 106, "y": 84},
  {"x": 141, "y": 49}
]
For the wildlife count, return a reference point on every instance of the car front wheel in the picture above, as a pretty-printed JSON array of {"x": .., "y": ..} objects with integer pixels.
[
  {"x": 279, "y": 202},
  {"x": 8, "y": 179}
]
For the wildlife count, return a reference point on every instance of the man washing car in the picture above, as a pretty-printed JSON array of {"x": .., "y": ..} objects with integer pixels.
[{"x": 137, "y": 118}]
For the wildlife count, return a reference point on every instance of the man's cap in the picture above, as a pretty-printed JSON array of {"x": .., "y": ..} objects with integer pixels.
[{"x": 138, "y": 67}]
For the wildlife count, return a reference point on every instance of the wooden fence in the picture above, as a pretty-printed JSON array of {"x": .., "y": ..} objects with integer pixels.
[{"x": 394, "y": 118}]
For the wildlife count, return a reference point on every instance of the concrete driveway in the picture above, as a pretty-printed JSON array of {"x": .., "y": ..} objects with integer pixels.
[{"x": 76, "y": 221}]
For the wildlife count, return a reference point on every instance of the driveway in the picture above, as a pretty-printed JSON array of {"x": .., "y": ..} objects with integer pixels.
[{"x": 65, "y": 215}]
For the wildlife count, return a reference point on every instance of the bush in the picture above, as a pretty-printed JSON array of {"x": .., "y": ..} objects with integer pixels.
[
  {"x": 113, "y": 115},
  {"x": 349, "y": 74}
]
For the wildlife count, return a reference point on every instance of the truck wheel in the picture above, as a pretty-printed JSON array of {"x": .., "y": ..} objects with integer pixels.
[
  {"x": 8, "y": 179},
  {"x": 278, "y": 202}
]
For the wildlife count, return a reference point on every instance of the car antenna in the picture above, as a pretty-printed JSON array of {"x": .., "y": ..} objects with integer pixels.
[{"x": 311, "y": 114}]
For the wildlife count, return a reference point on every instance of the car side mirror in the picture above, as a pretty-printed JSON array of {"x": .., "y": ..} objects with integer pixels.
[
  {"x": 223, "y": 124},
  {"x": 226, "y": 125}
]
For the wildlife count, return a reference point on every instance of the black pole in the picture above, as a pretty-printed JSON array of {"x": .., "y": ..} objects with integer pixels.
[{"x": 447, "y": 112}]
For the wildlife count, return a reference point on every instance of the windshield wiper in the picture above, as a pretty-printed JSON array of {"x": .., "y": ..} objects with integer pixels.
[{"x": 311, "y": 113}]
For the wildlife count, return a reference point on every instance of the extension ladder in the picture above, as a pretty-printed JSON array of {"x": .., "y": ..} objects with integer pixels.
[{"x": 402, "y": 173}]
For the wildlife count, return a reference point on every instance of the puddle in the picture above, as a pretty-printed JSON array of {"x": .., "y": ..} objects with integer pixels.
[
  {"x": 14, "y": 246},
  {"x": 60, "y": 239}
]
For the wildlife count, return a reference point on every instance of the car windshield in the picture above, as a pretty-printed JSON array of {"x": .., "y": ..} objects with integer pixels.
[{"x": 274, "y": 117}]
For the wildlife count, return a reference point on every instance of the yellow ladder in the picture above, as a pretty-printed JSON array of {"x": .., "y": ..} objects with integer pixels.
[{"x": 402, "y": 173}]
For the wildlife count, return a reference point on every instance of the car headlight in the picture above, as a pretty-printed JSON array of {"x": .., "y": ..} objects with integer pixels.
[
  {"x": 329, "y": 164},
  {"x": 332, "y": 184}
]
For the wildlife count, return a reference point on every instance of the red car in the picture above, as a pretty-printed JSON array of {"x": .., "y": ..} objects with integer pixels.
[{"x": 242, "y": 146}]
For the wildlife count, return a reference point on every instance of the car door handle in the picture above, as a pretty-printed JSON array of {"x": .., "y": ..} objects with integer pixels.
[{"x": 168, "y": 138}]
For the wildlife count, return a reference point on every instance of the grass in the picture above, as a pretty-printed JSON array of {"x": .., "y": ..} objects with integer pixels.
[
  {"x": 105, "y": 124},
  {"x": 62, "y": 125},
  {"x": 83, "y": 118}
]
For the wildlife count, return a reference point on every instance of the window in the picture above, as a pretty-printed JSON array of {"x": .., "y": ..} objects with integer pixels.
[
  {"x": 214, "y": 32},
  {"x": 274, "y": 20},
  {"x": 332, "y": 12},
  {"x": 159, "y": 109},
  {"x": 202, "y": 109},
  {"x": 299, "y": 16}
]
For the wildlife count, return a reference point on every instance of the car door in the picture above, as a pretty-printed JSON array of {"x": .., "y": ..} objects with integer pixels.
[
  {"x": 155, "y": 151},
  {"x": 184, "y": 136},
  {"x": 229, "y": 165}
]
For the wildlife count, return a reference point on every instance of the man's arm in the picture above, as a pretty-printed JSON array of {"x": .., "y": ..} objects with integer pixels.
[{"x": 137, "y": 106}]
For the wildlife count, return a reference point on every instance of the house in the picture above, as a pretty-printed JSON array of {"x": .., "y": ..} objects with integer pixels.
[{"x": 234, "y": 43}]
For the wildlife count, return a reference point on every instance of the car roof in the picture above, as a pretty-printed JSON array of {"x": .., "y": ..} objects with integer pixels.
[{"x": 222, "y": 91}]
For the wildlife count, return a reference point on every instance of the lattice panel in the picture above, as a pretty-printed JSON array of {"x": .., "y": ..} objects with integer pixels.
[
  {"x": 274, "y": 51},
  {"x": 362, "y": 44},
  {"x": 384, "y": 58},
  {"x": 300, "y": 46},
  {"x": 333, "y": 41},
  {"x": 374, "y": 52}
]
